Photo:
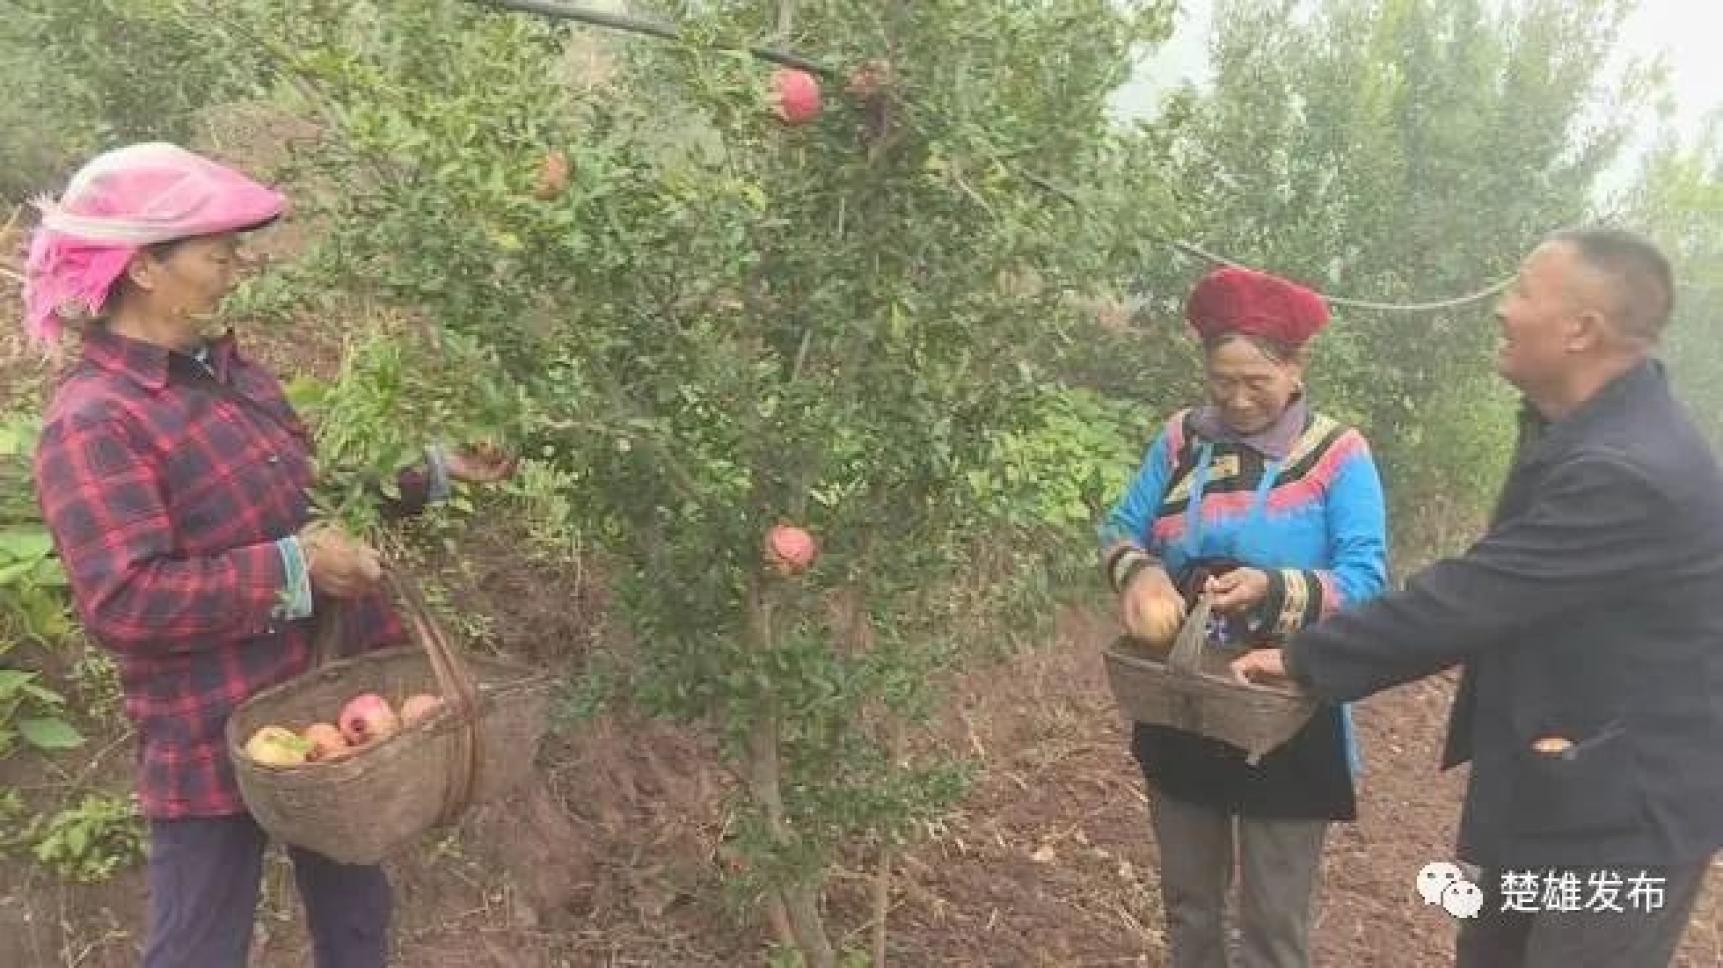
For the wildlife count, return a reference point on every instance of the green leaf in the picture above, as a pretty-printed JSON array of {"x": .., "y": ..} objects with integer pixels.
[
  {"x": 50, "y": 574},
  {"x": 50, "y": 733},
  {"x": 29, "y": 544},
  {"x": 306, "y": 392},
  {"x": 15, "y": 440},
  {"x": 45, "y": 698}
]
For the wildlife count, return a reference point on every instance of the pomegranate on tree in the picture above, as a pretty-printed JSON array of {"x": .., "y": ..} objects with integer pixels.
[
  {"x": 869, "y": 80},
  {"x": 795, "y": 96},
  {"x": 790, "y": 550},
  {"x": 552, "y": 177}
]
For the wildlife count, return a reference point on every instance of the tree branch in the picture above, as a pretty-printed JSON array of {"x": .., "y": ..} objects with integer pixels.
[{"x": 652, "y": 28}]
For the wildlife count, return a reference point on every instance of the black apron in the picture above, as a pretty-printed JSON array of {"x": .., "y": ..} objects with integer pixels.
[{"x": 1308, "y": 778}]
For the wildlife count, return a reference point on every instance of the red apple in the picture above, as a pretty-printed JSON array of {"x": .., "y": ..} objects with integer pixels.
[
  {"x": 790, "y": 549},
  {"x": 795, "y": 96},
  {"x": 419, "y": 707},
  {"x": 326, "y": 741},
  {"x": 367, "y": 718}
]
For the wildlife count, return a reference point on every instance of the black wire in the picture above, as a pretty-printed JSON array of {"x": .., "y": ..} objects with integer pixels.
[
  {"x": 597, "y": 18},
  {"x": 653, "y": 28}
]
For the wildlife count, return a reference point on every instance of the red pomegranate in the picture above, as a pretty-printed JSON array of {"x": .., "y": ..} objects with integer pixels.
[
  {"x": 789, "y": 549},
  {"x": 869, "y": 80},
  {"x": 552, "y": 177},
  {"x": 795, "y": 96}
]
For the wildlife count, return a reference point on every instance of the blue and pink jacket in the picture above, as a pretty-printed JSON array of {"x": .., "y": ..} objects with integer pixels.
[{"x": 1308, "y": 510}]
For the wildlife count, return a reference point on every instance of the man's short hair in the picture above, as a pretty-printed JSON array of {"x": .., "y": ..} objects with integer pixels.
[{"x": 1637, "y": 273}]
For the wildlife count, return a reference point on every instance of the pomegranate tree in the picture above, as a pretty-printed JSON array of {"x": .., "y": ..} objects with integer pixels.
[{"x": 727, "y": 337}]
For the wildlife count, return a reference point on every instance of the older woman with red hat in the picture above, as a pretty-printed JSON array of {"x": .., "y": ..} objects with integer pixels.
[
  {"x": 172, "y": 473},
  {"x": 1277, "y": 511}
]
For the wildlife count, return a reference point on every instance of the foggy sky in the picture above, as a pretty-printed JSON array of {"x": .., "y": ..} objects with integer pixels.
[{"x": 1685, "y": 31}]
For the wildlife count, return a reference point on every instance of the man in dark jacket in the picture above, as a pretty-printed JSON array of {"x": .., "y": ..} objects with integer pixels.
[{"x": 1588, "y": 621}]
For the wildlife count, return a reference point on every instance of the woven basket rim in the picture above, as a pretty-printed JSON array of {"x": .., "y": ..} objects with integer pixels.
[
  {"x": 1118, "y": 652},
  {"x": 354, "y": 768}
]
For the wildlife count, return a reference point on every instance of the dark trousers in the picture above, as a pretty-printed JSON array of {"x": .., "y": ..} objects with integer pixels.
[
  {"x": 205, "y": 876},
  {"x": 1639, "y": 936}
]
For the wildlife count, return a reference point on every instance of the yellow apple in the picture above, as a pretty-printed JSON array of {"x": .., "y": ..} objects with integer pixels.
[{"x": 277, "y": 746}]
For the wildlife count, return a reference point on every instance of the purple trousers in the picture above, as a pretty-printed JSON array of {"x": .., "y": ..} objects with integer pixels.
[{"x": 205, "y": 876}]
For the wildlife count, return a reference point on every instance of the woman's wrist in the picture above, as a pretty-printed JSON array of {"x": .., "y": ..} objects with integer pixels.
[{"x": 1127, "y": 565}]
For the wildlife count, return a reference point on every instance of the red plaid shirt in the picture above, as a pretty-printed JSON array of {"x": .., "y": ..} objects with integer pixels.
[{"x": 166, "y": 485}]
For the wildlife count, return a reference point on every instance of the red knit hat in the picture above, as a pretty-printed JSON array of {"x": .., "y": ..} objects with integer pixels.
[{"x": 1243, "y": 302}]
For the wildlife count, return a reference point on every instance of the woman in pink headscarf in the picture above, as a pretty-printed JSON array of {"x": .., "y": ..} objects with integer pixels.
[{"x": 173, "y": 475}]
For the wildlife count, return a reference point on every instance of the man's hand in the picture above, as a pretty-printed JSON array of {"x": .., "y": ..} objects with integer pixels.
[
  {"x": 1151, "y": 608},
  {"x": 339, "y": 564},
  {"x": 1262, "y": 665},
  {"x": 481, "y": 464},
  {"x": 1238, "y": 591}
]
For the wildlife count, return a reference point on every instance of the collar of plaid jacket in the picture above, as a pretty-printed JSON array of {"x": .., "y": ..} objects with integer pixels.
[{"x": 150, "y": 364}]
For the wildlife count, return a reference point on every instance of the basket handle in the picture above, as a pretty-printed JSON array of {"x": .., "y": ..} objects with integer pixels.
[
  {"x": 329, "y": 628},
  {"x": 454, "y": 681},
  {"x": 1185, "y": 659}
]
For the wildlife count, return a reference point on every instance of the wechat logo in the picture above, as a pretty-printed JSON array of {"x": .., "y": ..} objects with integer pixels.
[{"x": 1445, "y": 884}]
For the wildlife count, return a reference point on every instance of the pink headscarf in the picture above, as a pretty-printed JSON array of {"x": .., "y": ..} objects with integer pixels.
[{"x": 115, "y": 205}]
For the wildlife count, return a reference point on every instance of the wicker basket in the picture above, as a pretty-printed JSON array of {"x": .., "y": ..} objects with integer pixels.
[
  {"x": 1194, "y": 691},
  {"x": 360, "y": 809}
]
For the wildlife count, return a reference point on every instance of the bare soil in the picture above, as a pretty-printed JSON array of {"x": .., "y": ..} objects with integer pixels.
[{"x": 1049, "y": 862}]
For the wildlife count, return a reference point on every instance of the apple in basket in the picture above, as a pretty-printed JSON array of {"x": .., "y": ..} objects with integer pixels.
[
  {"x": 277, "y": 746},
  {"x": 367, "y": 718},
  {"x": 326, "y": 741},
  {"x": 1154, "y": 620},
  {"x": 419, "y": 707}
]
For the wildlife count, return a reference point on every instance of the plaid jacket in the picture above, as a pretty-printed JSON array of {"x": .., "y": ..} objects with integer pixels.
[{"x": 167, "y": 484}]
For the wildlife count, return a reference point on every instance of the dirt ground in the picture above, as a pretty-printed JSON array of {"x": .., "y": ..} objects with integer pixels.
[{"x": 1048, "y": 863}]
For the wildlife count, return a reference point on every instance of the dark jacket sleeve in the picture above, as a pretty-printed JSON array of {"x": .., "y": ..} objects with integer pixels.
[{"x": 1589, "y": 535}]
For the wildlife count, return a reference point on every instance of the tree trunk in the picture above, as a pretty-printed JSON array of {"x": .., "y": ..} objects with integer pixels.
[
  {"x": 881, "y": 903},
  {"x": 887, "y": 855},
  {"x": 779, "y": 918},
  {"x": 798, "y": 903}
]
